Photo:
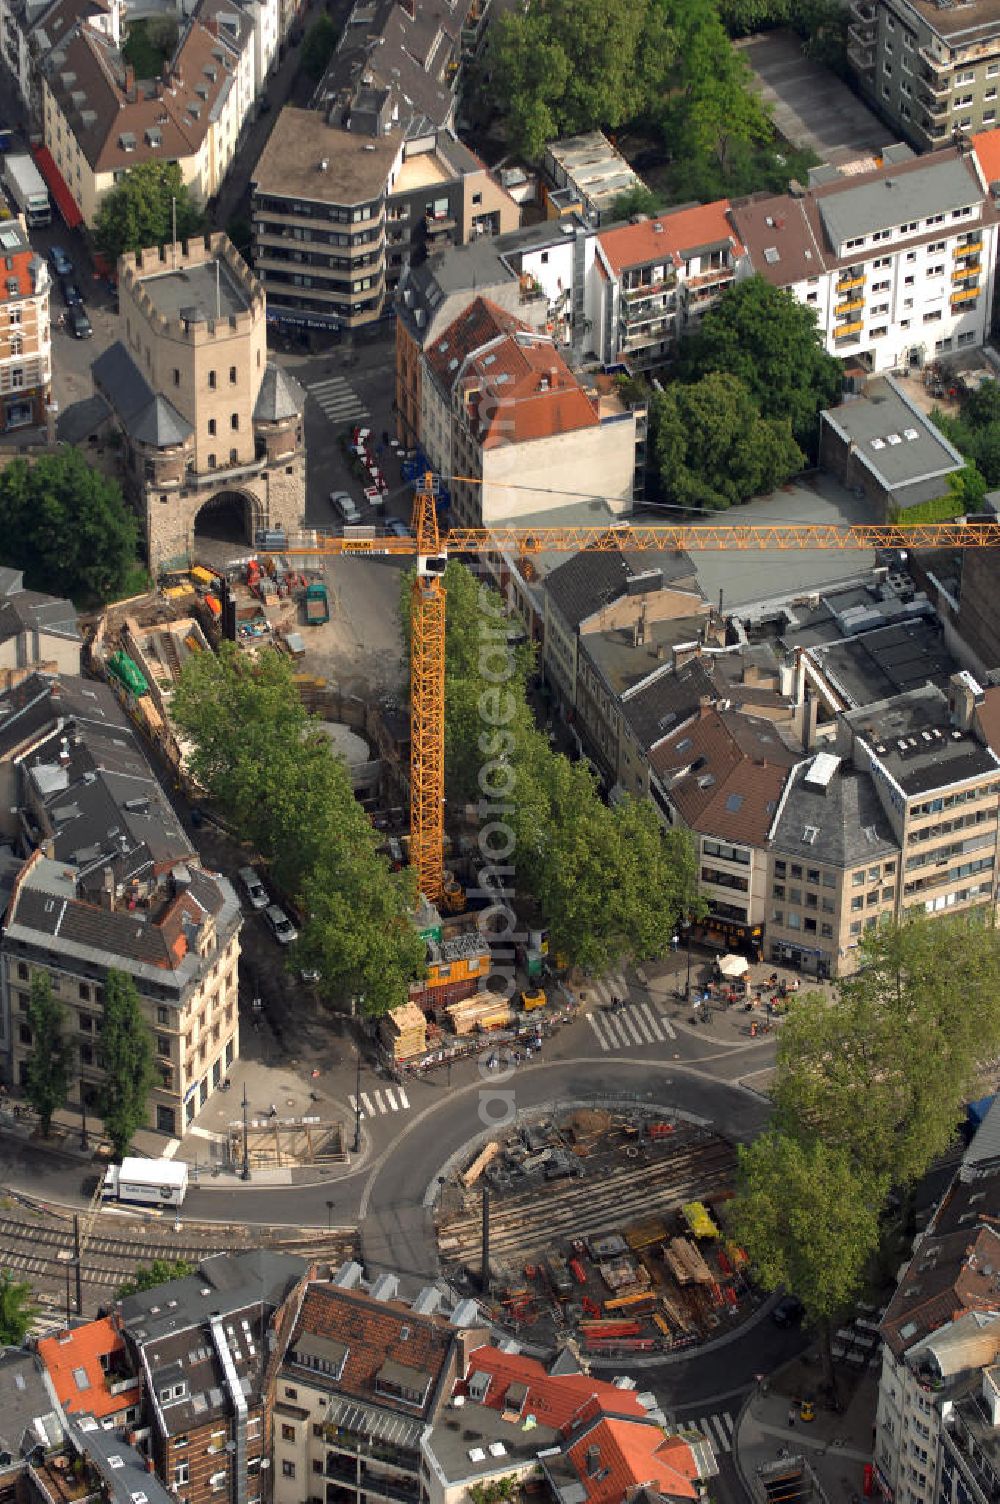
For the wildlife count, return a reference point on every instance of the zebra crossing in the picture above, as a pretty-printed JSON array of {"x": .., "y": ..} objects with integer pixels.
[
  {"x": 718, "y": 1429},
  {"x": 373, "y": 1105},
  {"x": 337, "y": 399},
  {"x": 635, "y": 1024}
]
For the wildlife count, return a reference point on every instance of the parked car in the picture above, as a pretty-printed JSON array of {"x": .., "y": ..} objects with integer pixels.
[
  {"x": 788, "y": 1312},
  {"x": 77, "y": 322},
  {"x": 61, "y": 263},
  {"x": 280, "y": 925},
  {"x": 254, "y": 888},
  {"x": 344, "y": 503},
  {"x": 72, "y": 296}
]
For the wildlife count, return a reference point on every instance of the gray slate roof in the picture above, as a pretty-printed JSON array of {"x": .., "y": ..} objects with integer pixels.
[
  {"x": 280, "y": 396},
  {"x": 29, "y": 1411},
  {"x": 590, "y": 579},
  {"x": 31, "y": 611},
  {"x": 896, "y": 442},
  {"x": 889, "y": 201},
  {"x": 160, "y": 425},
  {"x": 848, "y": 817},
  {"x": 657, "y": 707},
  {"x": 122, "y": 1470}
]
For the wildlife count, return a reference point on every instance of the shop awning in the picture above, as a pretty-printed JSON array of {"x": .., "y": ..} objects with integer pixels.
[
  {"x": 734, "y": 966},
  {"x": 64, "y": 200}
]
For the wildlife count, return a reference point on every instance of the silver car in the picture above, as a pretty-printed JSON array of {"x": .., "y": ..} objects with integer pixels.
[
  {"x": 254, "y": 888},
  {"x": 280, "y": 925}
]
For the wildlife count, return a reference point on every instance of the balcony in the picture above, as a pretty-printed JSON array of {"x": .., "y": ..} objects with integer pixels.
[
  {"x": 439, "y": 224},
  {"x": 862, "y": 10},
  {"x": 963, "y": 273},
  {"x": 846, "y": 331},
  {"x": 843, "y": 309},
  {"x": 860, "y": 52},
  {"x": 648, "y": 289},
  {"x": 968, "y": 248},
  {"x": 966, "y": 295},
  {"x": 934, "y": 110},
  {"x": 850, "y": 280},
  {"x": 934, "y": 85},
  {"x": 937, "y": 65}
]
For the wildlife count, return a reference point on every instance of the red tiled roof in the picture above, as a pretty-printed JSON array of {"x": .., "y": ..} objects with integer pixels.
[
  {"x": 475, "y": 326},
  {"x": 76, "y": 1355},
  {"x": 730, "y": 770},
  {"x": 629, "y": 1454},
  {"x": 519, "y": 388},
  {"x": 671, "y": 236},
  {"x": 553, "y": 1399},
  {"x": 986, "y": 145}
]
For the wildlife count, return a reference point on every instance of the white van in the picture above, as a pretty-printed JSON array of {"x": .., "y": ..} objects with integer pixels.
[{"x": 344, "y": 503}]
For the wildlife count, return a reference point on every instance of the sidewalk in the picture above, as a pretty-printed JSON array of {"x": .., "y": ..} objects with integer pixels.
[{"x": 836, "y": 1447}]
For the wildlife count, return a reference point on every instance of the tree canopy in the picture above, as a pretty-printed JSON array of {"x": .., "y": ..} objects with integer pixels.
[
  {"x": 771, "y": 341},
  {"x": 148, "y": 1276},
  {"x": 139, "y": 211},
  {"x": 975, "y": 430},
  {"x": 809, "y": 1220},
  {"x": 610, "y": 883},
  {"x": 17, "y": 1310},
  {"x": 128, "y": 1060},
  {"x": 280, "y": 783},
  {"x": 905, "y": 1037},
  {"x": 712, "y": 447},
  {"x": 319, "y": 46},
  {"x": 50, "y": 1062},
  {"x": 66, "y": 525}
]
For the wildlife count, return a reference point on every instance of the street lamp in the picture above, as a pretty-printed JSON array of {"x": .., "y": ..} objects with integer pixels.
[
  {"x": 687, "y": 985},
  {"x": 84, "y": 1140},
  {"x": 357, "y": 1104},
  {"x": 329, "y": 1215},
  {"x": 245, "y": 1168}
]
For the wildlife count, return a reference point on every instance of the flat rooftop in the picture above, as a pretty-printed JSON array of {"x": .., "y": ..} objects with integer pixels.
[
  {"x": 888, "y": 661},
  {"x": 291, "y": 164},
  {"x": 207, "y": 291},
  {"x": 912, "y": 738},
  {"x": 625, "y": 663},
  {"x": 749, "y": 577},
  {"x": 963, "y": 26},
  {"x": 477, "y": 1441},
  {"x": 894, "y": 440},
  {"x": 421, "y": 171}
]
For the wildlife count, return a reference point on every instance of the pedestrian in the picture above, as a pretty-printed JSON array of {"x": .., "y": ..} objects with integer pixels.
[
  {"x": 674, "y": 942},
  {"x": 791, "y": 1416}
]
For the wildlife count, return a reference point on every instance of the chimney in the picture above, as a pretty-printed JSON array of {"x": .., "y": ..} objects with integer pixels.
[
  {"x": 810, "y": 721},
  {"x": 964, "y": 694},
  {"x": 64, "y": 752},
  {"x": 108, "y": 890},
  {"x": 130, "y": 83}
]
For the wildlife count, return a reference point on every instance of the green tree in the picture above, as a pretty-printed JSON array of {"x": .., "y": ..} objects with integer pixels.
[
  {"x": 809, "y": 1220},
  {"x": 147, "y": 1277},
  {"x": 128, "y": 1061},
  {"x": 288, "y": 793},
  {"x": 712, "y": 447},
  {"x": 17, "y": 1310},
  {"x": 638, "y": 200},
  {"x": 140, "y": 211},
  {"x": 574, "y": 65},
  {"x": 50, "y": 1062},
  {"x": 713, "y": 108},
  {"x": 905, "y": 1037},
  {"x": 66, "y": 525},
  {"x": 771, "y": 341},
  {"x": 318, "y": 47}
]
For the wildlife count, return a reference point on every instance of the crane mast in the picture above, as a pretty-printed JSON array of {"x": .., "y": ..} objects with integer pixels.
[{"x": 427, "y": 659}]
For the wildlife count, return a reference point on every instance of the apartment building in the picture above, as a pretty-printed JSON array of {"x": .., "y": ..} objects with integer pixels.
[
  {"x": 99, "y": 120},
  {"x": 339, "y": 212},
  {"x": 25, "y": 336},
  {"x": 722, "y": 775},
  {"x": 206, "y": 1350},
  {"x": 936, "y": 1426},
  {"x": 208, "y": 421},
  {"x": 29, "y": 31},
  {"x": 896, "y": 263},
  {"x": 523, "y": 425},
  {"x": 92, "y": 1374},
  {"x": 362, "y": 1375},
  {"x": 833, "y": 865},
  {"x": 111, "y": 882},
  {"x": 930, "y": 68},
  {"x": 592, "y": 592},
  {"x": 32, "y": 1425},
  {"x": 37, "y": 631},
  {"x": 656, "y": 277}
]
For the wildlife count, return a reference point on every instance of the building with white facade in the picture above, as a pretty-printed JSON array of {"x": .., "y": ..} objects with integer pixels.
[{"x": 897, "y": 263}]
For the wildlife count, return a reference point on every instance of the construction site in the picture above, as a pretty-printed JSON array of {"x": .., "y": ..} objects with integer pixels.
[{"x": 600, "y": 1224}]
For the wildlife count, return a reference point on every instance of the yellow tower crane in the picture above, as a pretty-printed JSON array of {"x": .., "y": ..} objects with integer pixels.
[{"x": 432, "y": 550}]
